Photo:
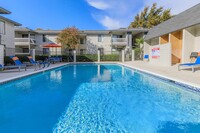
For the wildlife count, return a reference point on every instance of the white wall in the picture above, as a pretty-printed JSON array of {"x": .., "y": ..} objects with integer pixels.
[
  {"x": 93, "y": 40},
  {"x": 165, "y": 55},
  {"x": 1, "y": 54},
  {"x": 188, "y": 44},
  {"x": 8, "y": 38},
  {"x": 197, "y": 39}
]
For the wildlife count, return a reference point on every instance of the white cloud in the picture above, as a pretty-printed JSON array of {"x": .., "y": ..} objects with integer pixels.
[
  {"x": 98, "y": 4},
  {"x": 110, "y": 23},
  {"x": 114, "y": 14}
]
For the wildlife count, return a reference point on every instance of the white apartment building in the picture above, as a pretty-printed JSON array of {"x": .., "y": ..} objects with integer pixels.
[
  {"x": 7, "y": 32},
  {"x": 107, "y": 41}
]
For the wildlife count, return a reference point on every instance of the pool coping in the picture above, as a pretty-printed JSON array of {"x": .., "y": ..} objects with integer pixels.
[
  {"x": 4, "y": 81},
  {"x": 182, "y": 83},
  {"x": 189, "y": 85}
]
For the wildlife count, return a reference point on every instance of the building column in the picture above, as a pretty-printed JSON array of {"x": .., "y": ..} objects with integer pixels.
[
  {"x": 29, "y": 47},
  {"x": 74, "y": 55},
  {"x": 133, "y": 55},
  {"x": 98, "y": 55},
  {"x": 123, "y": 57},
  {"x": 1, "y": 54}
]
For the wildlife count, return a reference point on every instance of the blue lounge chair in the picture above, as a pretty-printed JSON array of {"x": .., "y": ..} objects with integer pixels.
[
  {"x": 2, "y": 67},
  {"x": 55, "y": 59},
  {"x": 146, "y": 57},
  {"x": 191, "y": 65},
  {"x": 17, "y": 62},
  {"x": 35, "y": 63}
]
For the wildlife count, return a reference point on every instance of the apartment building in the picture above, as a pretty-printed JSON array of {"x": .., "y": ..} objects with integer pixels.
[
  {"x": 107, "y": 41},
  {"x": 174, "y": 40},
  {"x": 7, "y": 32}
]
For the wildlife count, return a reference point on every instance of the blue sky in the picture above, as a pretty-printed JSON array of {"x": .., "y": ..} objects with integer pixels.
[{"x": 84, "y": 14}]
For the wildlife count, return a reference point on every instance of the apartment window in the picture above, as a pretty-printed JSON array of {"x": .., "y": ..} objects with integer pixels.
[
  {"x": 24, "y": 35},
  {"x": 32, "y": 36},
  {"x": 2, "y": 27},
  {"x": 81, "y": 40},
  {"x": 82, "y": 51},
  {"x": 44, "y": 38},
  {"x": 25, "y": 50},
  {"x": 45, "y": 50},
  {"x": 100, "y": 38}
]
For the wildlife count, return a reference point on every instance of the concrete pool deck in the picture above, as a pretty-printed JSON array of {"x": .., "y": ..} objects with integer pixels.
[
  {"x": 185, "y": 76},
  {"x": 9, "y": 75}
]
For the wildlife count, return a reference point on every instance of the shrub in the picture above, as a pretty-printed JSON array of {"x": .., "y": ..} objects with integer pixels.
[
  {"x": 66, "y": 58},
  {"x": 110, "y": 57},
  {"x": 87, "y": 58}
]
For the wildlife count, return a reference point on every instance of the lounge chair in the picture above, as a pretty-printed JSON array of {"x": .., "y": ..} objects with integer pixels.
[
  {"x": 35, "y": 63},
  {"x": 18, "y": 63},
  {"x": 55, "y": 59},
  {"x": 191, "y": 65},
  {"x": 146, "y": 57},
  {"x": 5, "y": 67}
]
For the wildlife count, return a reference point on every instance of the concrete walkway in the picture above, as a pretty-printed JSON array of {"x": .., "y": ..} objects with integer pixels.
[
  {"x": 184, "y": 76},
  {"x": 8, "y": 75}
]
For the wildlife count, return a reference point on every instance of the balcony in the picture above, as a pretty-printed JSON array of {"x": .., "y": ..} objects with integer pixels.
[
  {"x": 24, "y": 41},
  {"x": 119, "y": 42}
]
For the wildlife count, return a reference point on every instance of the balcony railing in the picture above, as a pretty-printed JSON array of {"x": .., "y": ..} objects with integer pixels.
[
  {"x": 119, "y": 41},
  {"x": 24, "y": 41}
]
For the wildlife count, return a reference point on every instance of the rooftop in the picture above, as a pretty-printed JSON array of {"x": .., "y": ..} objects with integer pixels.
[
  {"x": 54, "y": 32},
  {"x": 4, "y": 11},
  {"x": 9, "y": 20}
]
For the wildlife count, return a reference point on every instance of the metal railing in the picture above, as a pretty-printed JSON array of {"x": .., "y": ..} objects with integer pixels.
[
  {"x": 24, "y": 40},
  {"x": 119, "y": 41}
]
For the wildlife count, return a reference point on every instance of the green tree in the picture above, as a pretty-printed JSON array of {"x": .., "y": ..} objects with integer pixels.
[
  {"x": 150, "y": 17},
  {"x": 69, "y": 37},
  {"x": 139, "y": 47}
]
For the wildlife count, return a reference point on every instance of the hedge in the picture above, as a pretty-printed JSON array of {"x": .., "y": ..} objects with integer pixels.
[
  {"x": 110, "y": 57},
  {"x": 66, "y": 58}
]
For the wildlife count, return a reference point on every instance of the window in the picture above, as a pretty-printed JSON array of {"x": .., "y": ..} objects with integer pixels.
[
  {"x": 81, "y": 40},
  {"x": 82, "y": 51},
  {"x": 100, "y": 38},
  {"x": 25, "y": 50},
  {"x": 45, "y": 50},
  {"x": 32, "y": 36},
  {"x": 24, "y": 35},
  {"x": 2, "y": 27},
  {"x": 44, "y": 38}
]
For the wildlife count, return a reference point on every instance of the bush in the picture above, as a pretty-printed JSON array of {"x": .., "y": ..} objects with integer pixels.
[
  {"x": 87, "y": 58},
  {"x": 110, "y": 57},
  {"x": 138, "y": 53},
  {"x": 66, "y": 58}
]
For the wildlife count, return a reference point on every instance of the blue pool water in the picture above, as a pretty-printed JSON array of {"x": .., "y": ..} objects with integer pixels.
[{"x": 97, "y": 98}]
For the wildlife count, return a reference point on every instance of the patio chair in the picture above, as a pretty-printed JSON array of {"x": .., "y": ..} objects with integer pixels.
[
  {"x": 18, "y": 63},
  {"x": 55, "y": 59},
  {"x": 2, "y": 67},
  {"x": 191, "y": 65},
  {"x": 35, "y": 63},
  {"x": 146, "y": 57}
]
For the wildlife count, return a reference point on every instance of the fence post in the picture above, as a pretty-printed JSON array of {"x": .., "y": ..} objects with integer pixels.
[
  {"x": 1, "y": 54},
  {"x": 133, "y": 55},
  {"x": 123, "y": 56},
  {"x": 98, "y": 55},
  {"x": 33, "y": 54},
  {"x": 74, "y": 56}
]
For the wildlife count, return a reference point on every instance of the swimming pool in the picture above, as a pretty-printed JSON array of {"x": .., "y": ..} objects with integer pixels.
[{"x": 97, "y": 98}]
